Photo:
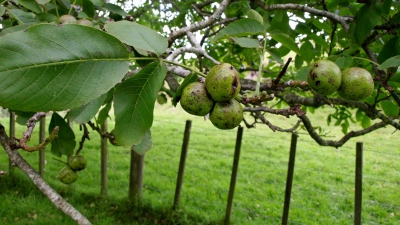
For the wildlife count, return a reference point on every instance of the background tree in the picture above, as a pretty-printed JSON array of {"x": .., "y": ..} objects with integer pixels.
[{"x": 132, "y": 55}]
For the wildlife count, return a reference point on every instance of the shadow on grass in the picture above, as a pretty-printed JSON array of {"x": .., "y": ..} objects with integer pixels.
[{"x": 96, "y": 208}]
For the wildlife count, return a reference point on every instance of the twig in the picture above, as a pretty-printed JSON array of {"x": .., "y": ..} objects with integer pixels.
[
  {"x": 344, "y": 139},
  {"x": 344, "y": 21},
  {"x": 199, "y": 25},
  {"x": 283, "y": 71},
  {"x": 293, "y": 110},
  {"x": 276, "y": 128},
  {"x": 31, "y": 125},
  {"x": 85, "y": 136}
]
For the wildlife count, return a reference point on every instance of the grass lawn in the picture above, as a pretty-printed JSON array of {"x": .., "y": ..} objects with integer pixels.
[{"x": 323, "y": 186}]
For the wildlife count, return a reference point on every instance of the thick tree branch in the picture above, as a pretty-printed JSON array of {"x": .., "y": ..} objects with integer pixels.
[
  {"x": 344, "y": 139},
  {"x": 344, "y": 21},
  {"x": 49, "y": 192},
  {"x": 199, "y": 25}
]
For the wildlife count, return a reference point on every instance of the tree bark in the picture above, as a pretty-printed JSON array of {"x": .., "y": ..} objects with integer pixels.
[{"x": 45, "y": 188}]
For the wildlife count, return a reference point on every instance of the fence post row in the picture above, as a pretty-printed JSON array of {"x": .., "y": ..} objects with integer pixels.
[
  {"x": 234, "y": 175},
  {"x": 182, "y": 162},
  {"x": 289, "y": 179},
  {"x": 358, "y": 184}
]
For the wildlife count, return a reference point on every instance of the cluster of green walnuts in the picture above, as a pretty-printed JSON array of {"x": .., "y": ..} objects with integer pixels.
[
  {"x": 69, "y": 173},
  {"x": 215, "y": 97},
  {"x": 353, "y": 84},
  {"x": 68, "y": 19}
]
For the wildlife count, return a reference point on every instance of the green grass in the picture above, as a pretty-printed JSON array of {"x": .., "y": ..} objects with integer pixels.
[{"x": 323, "y": 186}]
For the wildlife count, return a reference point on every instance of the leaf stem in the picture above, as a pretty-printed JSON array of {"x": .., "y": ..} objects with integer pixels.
[
  {"x": 377, "y": 64},
  {"x": 184, "y": 66},
  {"x": 70, "y": 9},
  {"x": 60, "y": 161},
  {"x": 55, "y": 6}
]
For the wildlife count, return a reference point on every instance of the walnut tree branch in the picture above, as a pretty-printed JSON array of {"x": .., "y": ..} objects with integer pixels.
[
  {"x": 344, "y": 21},
  {"x": 344, "y": 139},
  {"x": 199, "y": 25}
]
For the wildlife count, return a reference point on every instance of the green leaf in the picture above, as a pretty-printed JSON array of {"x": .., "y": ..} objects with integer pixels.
[
  {"x": 65, "y": 142},
  {"x": 189, "y": 79},
  {"x": 23, "y": 117},
  {"x": 366, "y": 122},
  {"x": 134, "y": 101},
  {"x": 86, "y": 112},
  {"x": 115, "y": 9},
  {"x": 322, "y": 25},
  {"x": 390, "y": 108},
  {"x": 391, "y": 62},
  {"x": 42, "y": 2},
  {"x": 307, "y": 51},
  {"x": 2, "y": 10},
  {"x": 359, "y": 115},
  {"x": 88, "y": 8},
  {"x": 46, "y": 17},
  {"x": 22, "y": 16},
  {"x": 275, "y": 55},
  {"x": 247, "y": 42},
  {"x": 390, "y": 49},
  {"x": 138, "y": 36},
  {"x": 13, "y": 29},
  {"x": 285, "y": 40},
  {"x": 145, "y": 145},
  {"x": 239, "y": 28},
  {"x": 302, "y": 73},
  {"x": 50, "y": 67},
  {"x": 31, "y": 5},
  {"x": 344, "y": 62},
  {"x": 345, "y": 127},
  {"x": 298, "y": 62},
  {"x": 365, "y": 20},
  {"x": 103, "y": 114},
  {"x": 253, "y": 14}
]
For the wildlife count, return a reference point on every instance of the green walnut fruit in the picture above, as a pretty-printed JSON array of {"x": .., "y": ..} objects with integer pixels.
[
  {"x": 357, "y": 84},
  {"x": 227, "y": 114},
  {"x": 67, "y": 175},
  {"x": 67, "y": 19},
  {"x": 195, "y": 99},
  {"x": 223, "y": 82},
  {"x": 77, "y": 162},
  {"x": 85, "y": 22},
  {"x": 324, "y": 77}
]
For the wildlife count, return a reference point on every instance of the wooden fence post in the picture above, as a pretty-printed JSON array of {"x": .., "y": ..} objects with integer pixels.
[
  {"x": 234, "y": 175},
  {"x": 42, "y": 138},
  {"x": 12, "y": 135},
  {"x": 181, "y": 171},
  {"x": 103, "y": 159},
  {"x": 289, "y": 179},
  {"x": 136, "y": 176},
  {"x": 358, "y": 181}
]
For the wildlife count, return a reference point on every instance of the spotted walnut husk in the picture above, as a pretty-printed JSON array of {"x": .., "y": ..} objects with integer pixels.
[{"x": 324, "y": 77}]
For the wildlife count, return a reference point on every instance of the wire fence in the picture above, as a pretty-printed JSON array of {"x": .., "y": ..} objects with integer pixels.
[{"x": 323, "y": 186}]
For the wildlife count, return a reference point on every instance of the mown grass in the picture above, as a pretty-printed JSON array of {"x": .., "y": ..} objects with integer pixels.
[{"x": 323, "y": 187}]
